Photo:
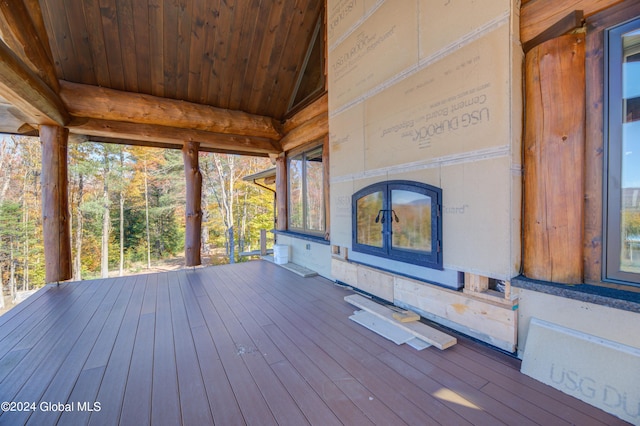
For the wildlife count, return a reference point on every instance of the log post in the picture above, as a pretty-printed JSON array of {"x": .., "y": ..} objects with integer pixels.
[
  {"x": 193, "y": 203},
  {"x": 281, "y": 193},
  {"x": 327, "y": 184},
  {"x": 554, "y": 144},
  {"x": 55, "y": 204}
]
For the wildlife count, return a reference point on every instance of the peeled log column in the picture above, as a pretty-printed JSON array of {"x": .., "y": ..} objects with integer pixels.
[
  {"x": 55, "y": 204},
  {"x": 281, "y": 193},
  {"x": 554, "y": 160},
  {"x": 193, "y": 203}
]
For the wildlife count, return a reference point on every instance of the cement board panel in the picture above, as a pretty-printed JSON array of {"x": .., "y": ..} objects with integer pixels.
[
  {"x": 459, "y": 104},
  {"x": 476, "y": 217},
  {"x": 381, "y": 47},
  {"x": 342, "y": 15},
  {"x": 444, "y": 22},
  {"x": 341, "y": 213},
  {"x": 600, "y": 372},
  {"x": 346, "y": 138}
]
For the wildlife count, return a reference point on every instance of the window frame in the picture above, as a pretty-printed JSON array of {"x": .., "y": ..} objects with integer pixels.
[
  {"x": 305, "y": 229},
  {"x": 432, "y": 259},
  {"x": 612, "y": 189}
]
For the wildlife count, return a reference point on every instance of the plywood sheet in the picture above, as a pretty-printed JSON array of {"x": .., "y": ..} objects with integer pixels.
[
  {"x": 382, "y": 46},
  {"x": 444, "y": 22},
  {"x": 457, "y": 105},
  {"x": 600, "y": 372},
  {"x": 375, "y": 282}
]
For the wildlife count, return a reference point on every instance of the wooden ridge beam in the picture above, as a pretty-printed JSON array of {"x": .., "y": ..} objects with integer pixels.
[
  {"x": 153, "y": 134},
  {"x": 25, "y": 90},
  {"x": 29, "y": 38},
  {"x": 107, "y": 104}
]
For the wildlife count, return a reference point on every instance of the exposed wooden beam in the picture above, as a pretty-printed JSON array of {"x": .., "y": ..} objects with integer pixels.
[
  {"x": 565, "y": 25},
  {"x": 19, "y": 21},
  {"x": 320, "y": 106},
  {"x": 108, "y": 104},
  {"x": 25, "y": 90},
  {"x": 536, "y": 16},
  {"x": 311, "y": 130},
  {"x": 151, "y": 133},
  {"x": 77, "y": 138}
]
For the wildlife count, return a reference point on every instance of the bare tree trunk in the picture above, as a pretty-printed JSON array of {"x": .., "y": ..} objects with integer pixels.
[
  {"x": 121, "y": 268},
  {"x": 146, "y": 211},
  {"x": 25, "y": 267},
  {"x": 106, "y": 220},
  {"x": 79, "y": 226}
]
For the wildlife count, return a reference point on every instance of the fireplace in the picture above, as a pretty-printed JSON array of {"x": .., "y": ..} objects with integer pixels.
[{"x": 399, "y": 220}]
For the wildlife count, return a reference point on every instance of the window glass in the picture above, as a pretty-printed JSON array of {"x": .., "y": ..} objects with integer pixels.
[
  {"x": 623, "y": 188},
  {"x": 630, "y": 218},
  {"x": 411, "y": 220},
  {"x": 295, "y": 192},
  {"x": 315, "y": 191},
  {"x": 306, "y": 192}
]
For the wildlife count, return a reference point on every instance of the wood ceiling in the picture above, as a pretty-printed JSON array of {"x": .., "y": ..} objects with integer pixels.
[{"x": 147, "y": 70}]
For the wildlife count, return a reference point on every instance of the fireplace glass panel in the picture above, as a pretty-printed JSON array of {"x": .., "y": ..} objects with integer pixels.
[
  {"x": 369, "y": 230},
  {"x": 411, "y": 220}
]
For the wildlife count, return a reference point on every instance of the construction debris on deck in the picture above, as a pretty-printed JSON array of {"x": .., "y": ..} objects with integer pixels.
[{"x": 399, "y": 327}]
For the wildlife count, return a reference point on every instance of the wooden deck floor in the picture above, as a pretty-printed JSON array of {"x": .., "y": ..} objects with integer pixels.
[{"x": 249, "y": 343}]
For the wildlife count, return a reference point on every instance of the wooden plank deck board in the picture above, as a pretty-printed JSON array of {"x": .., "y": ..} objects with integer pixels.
[
  {"x": 222, "y": 402},
  {"x": 111, "y": 392},
  {"x": 136, "y": 406},
  {"x": 13, "y": 381},
  {"x": 193, "y": 395},
  {"x": 307, "y": 341},
  {"x": 250, "y": 343},
  {"x": 165, "y": 405},
  {"x": 501, "y": 368},
  {"x": 252, "y": 404},
  {"x": 280, "y": 402},
  {"x": 61, "y": 384},
  {"x": 88, "y": 383},
  {"x": 371, "y": 379},
  {"x": 361, "y": 358},
  {"x": 45, "y": 364}
]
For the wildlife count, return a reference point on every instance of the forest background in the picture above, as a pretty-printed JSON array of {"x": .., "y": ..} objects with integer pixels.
[{"x": 127, "y": 209}]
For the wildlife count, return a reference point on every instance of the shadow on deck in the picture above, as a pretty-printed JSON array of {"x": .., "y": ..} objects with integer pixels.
[{"x": 250, "y": 343}]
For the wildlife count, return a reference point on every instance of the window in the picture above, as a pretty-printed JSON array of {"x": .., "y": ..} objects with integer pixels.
[
  {"x": 306, "y": 192},
  {"x": 400, "y": 220},
  {"x": 622, "y": 231}
]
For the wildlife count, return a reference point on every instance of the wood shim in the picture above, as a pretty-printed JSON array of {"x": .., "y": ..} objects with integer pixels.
[
  {"x": 406, "y": 316},
  {"x": 422, "y": 331}
]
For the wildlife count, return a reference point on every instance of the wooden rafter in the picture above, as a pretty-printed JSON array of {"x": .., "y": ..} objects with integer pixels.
[
  {"x": 28, "y": 92},
  {"x": 108, "y": 104},
  {"x": 29, "y": 38}
]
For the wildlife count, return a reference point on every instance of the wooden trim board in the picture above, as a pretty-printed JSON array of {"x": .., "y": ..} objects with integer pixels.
[{"x": 422, "y": 331}]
